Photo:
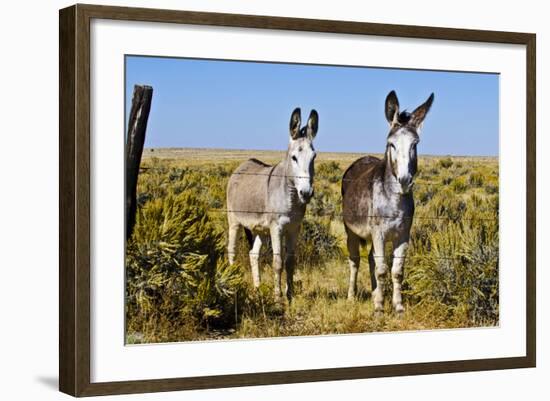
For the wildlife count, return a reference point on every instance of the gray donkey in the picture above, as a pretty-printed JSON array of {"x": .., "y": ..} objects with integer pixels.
[
  {"x": 378, "y": 202},
  {"x": 271, "y": 200}
]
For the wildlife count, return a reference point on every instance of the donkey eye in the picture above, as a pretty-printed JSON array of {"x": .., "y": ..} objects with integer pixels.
[{"x": 294, "y": 159}]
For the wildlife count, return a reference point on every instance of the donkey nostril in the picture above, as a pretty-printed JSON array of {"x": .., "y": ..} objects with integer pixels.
[{"x": 405, "y": 181}]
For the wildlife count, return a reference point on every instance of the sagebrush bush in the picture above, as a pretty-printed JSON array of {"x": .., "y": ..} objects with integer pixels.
[
  {"x": 425, "y": 194},
  {"x": 445, "y": 205},
  {"x": 178, "y": 281},
  {"x": 459, "y": 184},
  {"x": 491, "y": 189},
  {"x": 329, "y": 171},
  {"x": 316, "y": 244},
  {"x": 323, "y": 203},
  {"x": 476, "y": 179},
  {"x": 446, "y": 162},
  {"x": 455, "y": 263}
]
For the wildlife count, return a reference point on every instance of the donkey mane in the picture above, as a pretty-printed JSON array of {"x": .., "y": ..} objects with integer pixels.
[
  {"x": 261, "y": 163},
  {"x": 404, "y": 117}
]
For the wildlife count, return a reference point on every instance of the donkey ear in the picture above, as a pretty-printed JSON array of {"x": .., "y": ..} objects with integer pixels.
[
  {"x": 295, "y": 122},
  {"x": 419, "y": 114},
  {"x": 392, "y": 107},
  {"x": 312, "y": 124}
]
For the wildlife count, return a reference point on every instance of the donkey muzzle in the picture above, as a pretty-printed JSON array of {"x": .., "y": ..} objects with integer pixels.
[
  {"x": 406, "y": 184},
  {"x": 306, "y": 194}
]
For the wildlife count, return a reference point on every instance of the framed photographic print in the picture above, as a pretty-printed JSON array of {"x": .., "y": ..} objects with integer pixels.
[{"x": 250, "y": 200}]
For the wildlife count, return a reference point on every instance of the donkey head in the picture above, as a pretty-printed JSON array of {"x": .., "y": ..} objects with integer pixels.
[
  {"x": 301, "y": 154},
  {"x": 402, "y": 140}
]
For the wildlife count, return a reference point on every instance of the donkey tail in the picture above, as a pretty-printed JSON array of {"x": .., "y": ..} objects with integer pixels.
[{"x": 249, "y": 237}]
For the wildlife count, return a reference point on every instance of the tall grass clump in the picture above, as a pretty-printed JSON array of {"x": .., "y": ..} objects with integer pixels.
[
  {"x": 177, "y": 280},
  {"x": 446, "y": 162},
  {"x": 476, "y": 179},
  {"x": 459, "y": 184}
]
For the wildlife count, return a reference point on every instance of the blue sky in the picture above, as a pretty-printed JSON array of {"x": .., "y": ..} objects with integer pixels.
[{"x": 247, "y": 105}]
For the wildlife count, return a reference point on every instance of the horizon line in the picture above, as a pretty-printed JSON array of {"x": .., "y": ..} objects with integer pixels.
[{"x": 319, "y": 151}]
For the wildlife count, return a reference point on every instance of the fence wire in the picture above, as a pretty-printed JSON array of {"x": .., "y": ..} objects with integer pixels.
[
  {"x": 268, "y": 253},
  {"x": 355, "y": 215},
  {"x": 195, "y": 169},
  {"x": 333, "y": 214}
]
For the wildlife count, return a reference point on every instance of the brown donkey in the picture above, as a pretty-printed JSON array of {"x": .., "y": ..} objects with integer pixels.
[{"x": 378, "y": 201}]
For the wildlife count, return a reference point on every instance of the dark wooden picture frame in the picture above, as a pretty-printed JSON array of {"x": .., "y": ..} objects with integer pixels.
[{"x": 74, "y": 199}]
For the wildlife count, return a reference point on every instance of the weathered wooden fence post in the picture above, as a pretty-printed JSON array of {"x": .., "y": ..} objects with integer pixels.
[{"x": 137, "y": 125}]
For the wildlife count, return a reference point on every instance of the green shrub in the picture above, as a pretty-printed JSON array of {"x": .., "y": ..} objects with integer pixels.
[
  {"x": 177, "y": 279},
  {"x": 316, "y": 244},
  {"x": 459, "y": 184},
  {"x": 445, "y": 205},
  {"x": 434, "y": 171},
  {"x": 324, "y": 203},
  {"x": 457, "y": 266},
  {"x": 329, "y": 171},
  {"x": 476, "y": 179},
  {"x": 425, "y": 193},
  {"x": 446, "y": 162},
  {"x": 491, "y": 189}
]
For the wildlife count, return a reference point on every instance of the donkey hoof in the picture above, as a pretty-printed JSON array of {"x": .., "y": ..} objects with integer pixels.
[
  {"x": 278, "y": 308},
  {"x": 278, "y": 299},
  {"x": 399, "y": 309},
  {"x": 378, "y": 314}
]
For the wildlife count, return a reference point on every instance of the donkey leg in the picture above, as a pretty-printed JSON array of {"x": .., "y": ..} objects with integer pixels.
[
  {"x": 276, "y": 243},
  {"x": 232, "y": 243},
  {"x": 400, "y": 246},
  {"x": 254, "y": 260},
  {"x": 353, "y": 243},
  {"x": 380, "y": 271},
  {"x": 290, "y": 261},
  {"x": 372, "y": 266}
]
